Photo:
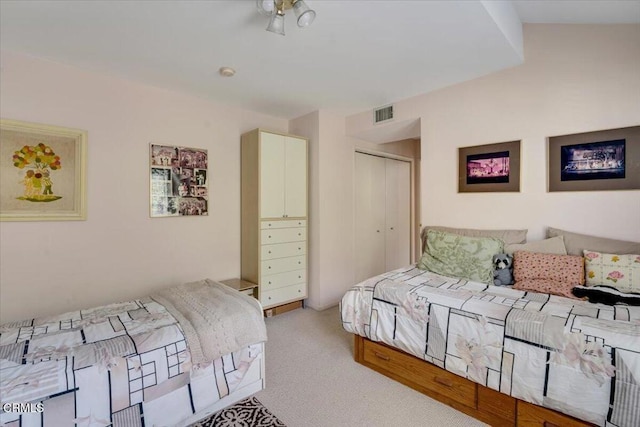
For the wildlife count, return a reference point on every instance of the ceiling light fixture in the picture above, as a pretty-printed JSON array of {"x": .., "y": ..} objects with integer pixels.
[
  {"x": 227, "y": 71},
  {"x": 276, "y": 8}
]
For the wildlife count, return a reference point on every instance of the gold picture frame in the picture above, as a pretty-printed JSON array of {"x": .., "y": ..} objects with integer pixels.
[
  {"x": 489, "y": 168},
  {"x": 42, "y": 172}
]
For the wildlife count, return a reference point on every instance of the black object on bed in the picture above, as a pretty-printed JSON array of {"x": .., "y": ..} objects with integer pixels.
[{"x": 606, "y": 295}]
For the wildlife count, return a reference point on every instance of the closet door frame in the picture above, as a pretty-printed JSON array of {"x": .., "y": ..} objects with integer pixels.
[{"x": 412, "y": 208}]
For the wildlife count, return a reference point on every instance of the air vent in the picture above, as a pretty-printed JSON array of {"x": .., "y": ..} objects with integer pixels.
[{"x": 383, "y": 114}]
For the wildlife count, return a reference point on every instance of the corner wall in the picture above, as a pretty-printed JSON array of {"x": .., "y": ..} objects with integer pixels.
[
  {"x": 119, "y": 252},
  {"x": 575, "y": 78}
]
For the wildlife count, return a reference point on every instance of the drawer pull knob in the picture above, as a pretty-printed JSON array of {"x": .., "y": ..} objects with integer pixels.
[
  {"x": 269, "y": 281},
  {"x": 299, "y": 234},
  {"x": 443, "y": 381},
  {"x": 269, "y": 297},
  {"x": 299, "y": 262},
  {"x": 299, "y": 249},
  {"x": 299, "y": 277},
  {"x": 269, "y": 251},
  {"x": 269, "y": 236},
  {"x": 381, "y": 356},
  {"x": 269, "y": 267},
  {"x": 299, "y": 290}
]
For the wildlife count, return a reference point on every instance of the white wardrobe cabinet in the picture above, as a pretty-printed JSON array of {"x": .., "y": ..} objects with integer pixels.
[
  {"x": 274, "y": 216},
  {"x": 283, "y": 176},
  {"x": 382, "y": 214}
]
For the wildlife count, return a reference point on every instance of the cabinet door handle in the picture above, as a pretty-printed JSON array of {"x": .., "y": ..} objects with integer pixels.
[
  {"x": 299, "y": 277},
  {"x": 269, "y": 267},
  {"x": 381, "y": 356},
  {"x": 269, "y": 251},
  {"x": 377, "y": 231},
  {"x": 392, "y": 228},
  {"x": 299, "y": 234},
  {"x": 443, "y": 381}
]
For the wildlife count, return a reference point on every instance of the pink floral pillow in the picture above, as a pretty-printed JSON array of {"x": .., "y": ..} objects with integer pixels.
[
  {"x": 547, "y": 273},
  {"x": 619, "y": 271}
]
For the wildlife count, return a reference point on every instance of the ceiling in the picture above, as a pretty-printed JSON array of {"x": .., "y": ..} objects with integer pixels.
[{"x": 357, "y": 55}]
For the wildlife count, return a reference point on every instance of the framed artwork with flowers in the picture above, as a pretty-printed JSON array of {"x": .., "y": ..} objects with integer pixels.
[{"x": 43, "y": 172}]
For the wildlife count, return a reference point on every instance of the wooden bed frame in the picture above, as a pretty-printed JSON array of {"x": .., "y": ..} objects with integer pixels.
[{"x": 473, "y": 399}]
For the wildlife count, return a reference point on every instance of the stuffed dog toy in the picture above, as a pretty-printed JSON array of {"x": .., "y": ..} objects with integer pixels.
[{"x": 502, "y": 264}]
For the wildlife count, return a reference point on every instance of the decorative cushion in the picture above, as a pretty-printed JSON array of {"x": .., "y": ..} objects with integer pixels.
[
  {"x": 554, "y": 245},
  {"x": 619, "y": 271},
  {"x": 455, "y": 255},
  {"x": 606, "y": 295},
  {"x": 507, "y": 236},
  {"x": 547, "y": 273},
  {"x": 576, "y": 243}
]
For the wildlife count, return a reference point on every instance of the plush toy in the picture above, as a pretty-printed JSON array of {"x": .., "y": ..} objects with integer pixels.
[{"x": 502, "y": 264}]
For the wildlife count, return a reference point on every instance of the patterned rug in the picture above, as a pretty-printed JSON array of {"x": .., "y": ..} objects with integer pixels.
[{"x": 246, "y": 413}]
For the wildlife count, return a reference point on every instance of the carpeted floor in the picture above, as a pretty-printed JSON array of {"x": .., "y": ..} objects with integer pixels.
[{"x": 246, "y": 413}]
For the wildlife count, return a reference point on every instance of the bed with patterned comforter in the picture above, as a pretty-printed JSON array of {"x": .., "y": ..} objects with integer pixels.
[
  {"x": 569, "y": 355},
  {"x": 135, "y": 363}
]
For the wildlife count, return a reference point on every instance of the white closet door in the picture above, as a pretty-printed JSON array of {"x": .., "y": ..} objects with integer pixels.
[
  {"x": 295, "y": 204},
  {"x": 398, "y": 214},
  {"x": 272, "y": 177},
  {"x": 370, "y": 215}
]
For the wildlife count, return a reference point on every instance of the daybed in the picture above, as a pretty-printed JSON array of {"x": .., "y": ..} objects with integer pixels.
[
  {"x": 503, "y": 355},
  {"x": 166, "y": 360}
]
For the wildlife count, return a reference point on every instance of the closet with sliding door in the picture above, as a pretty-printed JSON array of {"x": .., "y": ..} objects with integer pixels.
[{"x": 382, "y": 214}]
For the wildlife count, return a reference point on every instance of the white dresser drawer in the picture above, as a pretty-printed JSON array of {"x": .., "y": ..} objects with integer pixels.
[
  {"x": 283, "y": 224},
  {"x": 280, "y": 265},
  {"x": 283, "y": 295},
  {"x": 283, "y": 235},
  {"x": 280, "y": 280},
  {"x": 282, "y": 250}
]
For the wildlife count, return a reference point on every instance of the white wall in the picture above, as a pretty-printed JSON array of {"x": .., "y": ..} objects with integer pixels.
[
  {"x": 575, "y": 78},
  {"x": 119, "y": 252},
  {"x": 331, "y": 207}
]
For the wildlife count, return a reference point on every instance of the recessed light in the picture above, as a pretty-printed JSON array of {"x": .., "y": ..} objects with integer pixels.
[{"x": 227, "y": 71}]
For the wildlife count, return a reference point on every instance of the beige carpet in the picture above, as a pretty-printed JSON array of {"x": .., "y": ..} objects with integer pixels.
[{"x": 312, "y": 380}]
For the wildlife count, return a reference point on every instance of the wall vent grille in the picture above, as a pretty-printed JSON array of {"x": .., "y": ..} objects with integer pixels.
[{"x": 383, "y": 114}]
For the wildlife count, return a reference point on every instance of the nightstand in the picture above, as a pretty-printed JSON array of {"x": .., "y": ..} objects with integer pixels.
[{"x": 244, "y": 286}]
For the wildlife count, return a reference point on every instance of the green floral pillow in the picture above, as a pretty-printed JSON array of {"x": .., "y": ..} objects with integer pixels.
[
  {"x": 618, "y": 271},
  {"x": 460, "y": 256}
]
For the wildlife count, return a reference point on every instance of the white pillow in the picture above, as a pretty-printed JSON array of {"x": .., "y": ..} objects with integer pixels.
[{"x": 554, "y": 245}]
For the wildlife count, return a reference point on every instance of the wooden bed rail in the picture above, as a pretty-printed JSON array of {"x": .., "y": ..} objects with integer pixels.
[{"x": 473, "y": 399}]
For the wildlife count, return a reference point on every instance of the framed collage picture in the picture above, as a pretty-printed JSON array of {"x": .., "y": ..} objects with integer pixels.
[{"x": 178, "y": 181}]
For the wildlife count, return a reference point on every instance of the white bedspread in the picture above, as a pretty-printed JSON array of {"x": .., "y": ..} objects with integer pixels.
[
  {"x": 573, "y": 356},
  {"x": 216, "y": 319}
]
